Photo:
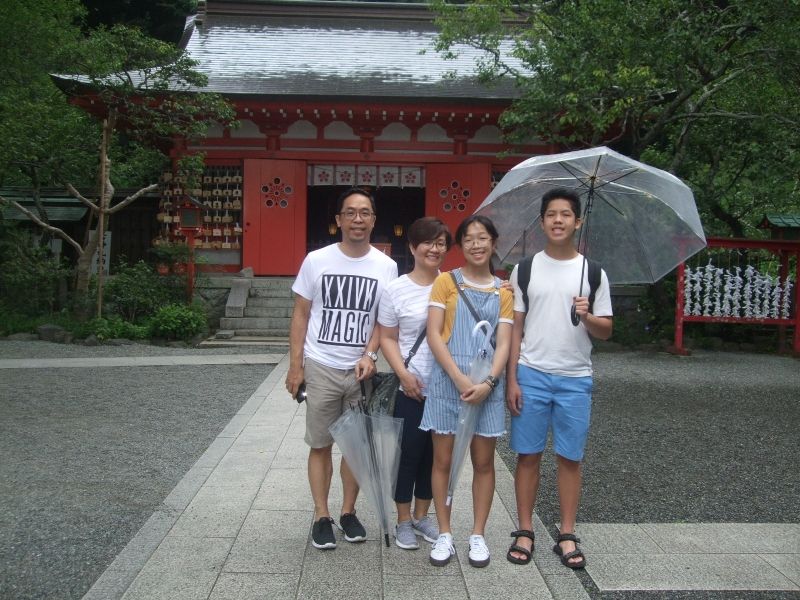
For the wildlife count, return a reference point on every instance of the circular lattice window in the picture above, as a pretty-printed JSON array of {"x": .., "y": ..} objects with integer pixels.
[
  {"x": 276, "y": 193},
  {"x": 454, "y": 197}
]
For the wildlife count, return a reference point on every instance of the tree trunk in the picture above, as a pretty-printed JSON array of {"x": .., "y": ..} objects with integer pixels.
[{"x": 83, "y": 275}]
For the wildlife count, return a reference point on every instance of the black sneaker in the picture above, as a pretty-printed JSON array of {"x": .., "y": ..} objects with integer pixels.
[
  {"x": 353, "y": 529},
  {"x": 322, "y": 534}
]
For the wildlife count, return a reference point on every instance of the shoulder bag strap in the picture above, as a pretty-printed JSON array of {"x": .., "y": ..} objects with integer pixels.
[{"x": 416, "y": 345}]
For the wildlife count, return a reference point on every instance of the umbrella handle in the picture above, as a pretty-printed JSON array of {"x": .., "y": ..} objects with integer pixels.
[
  {"x": 574, "y": 317},
  {"x": 483, "y": 327}
]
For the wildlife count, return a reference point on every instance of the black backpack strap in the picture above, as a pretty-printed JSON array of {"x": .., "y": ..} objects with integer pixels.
[
  {"x": 594, "y": 280},
  {"x": 524, "y": 273}
]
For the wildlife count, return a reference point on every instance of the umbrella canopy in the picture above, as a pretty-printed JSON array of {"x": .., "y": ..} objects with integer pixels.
[
  {"x": 643, "y": 221},
  {"x": 371, "y": 446},
  {"x": 468, "y": 412}
]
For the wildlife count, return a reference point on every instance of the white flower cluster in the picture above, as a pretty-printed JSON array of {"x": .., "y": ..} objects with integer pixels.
[{"x": 711, "y": 291}]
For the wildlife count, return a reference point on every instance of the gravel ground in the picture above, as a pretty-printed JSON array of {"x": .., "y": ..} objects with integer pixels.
[
  {"x": 712, "y": 437},
  {"x": 38, "y": 349},
  {"x": 88, "y": 455}
]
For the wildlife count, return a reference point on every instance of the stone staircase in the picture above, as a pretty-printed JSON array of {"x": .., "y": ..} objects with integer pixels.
[{"x": 258, "y": 307}]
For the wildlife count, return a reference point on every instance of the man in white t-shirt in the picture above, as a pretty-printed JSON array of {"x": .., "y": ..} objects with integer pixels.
[
  {"x": 332, "y": 349},
  {"x": 549, "y": 373}
]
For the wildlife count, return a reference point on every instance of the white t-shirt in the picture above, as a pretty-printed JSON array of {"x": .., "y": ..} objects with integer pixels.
[
  {"x": 344, "y": 294},
  {"x": 404, "y": 304},
  {"x": 551, "y": 343}
]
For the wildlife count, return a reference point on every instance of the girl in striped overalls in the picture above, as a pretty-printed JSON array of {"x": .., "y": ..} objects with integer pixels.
[{"x": 450, "y": 326}]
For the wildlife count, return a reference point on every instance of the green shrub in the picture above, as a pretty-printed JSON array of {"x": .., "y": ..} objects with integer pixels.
[
  {"x": 14, "y": 322},
  {"x": 115, "y": 327},
  {"x": 137, "y": 291},
  {"x": 178, "y": 322},
  {"x": 29, "y": 275}
]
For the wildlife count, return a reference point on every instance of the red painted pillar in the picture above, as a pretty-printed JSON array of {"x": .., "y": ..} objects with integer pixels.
[
  {"x": 796, "y": 341},
  {"x": 677, "y": 347}
]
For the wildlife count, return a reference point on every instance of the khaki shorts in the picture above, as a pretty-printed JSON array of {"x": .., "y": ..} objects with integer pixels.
[{"x": 330, "y": 392}]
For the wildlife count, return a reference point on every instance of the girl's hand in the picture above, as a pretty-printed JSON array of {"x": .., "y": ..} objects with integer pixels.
[
  {"x": 477, "y": 393},
  {"x": 462, "y": 383}
]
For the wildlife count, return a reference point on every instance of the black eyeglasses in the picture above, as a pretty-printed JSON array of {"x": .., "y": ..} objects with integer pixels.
[{"x": 351, "y": 214}]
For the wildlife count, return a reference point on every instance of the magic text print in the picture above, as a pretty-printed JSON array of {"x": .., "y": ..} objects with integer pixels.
[{"x": 347, "y": 308}]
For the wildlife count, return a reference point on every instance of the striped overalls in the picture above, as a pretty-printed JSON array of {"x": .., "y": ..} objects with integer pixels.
[{"x": 441, "y": 406}]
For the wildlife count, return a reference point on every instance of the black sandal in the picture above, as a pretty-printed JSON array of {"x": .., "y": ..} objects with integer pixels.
[
  {"x": 528, "y": 554},
  {"x": 566, "y": 556}
]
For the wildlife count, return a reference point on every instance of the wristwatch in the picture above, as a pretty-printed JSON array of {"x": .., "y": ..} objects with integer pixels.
[
  {"x": 372, "y": 355},
  {"x": 491, "y": 381}
]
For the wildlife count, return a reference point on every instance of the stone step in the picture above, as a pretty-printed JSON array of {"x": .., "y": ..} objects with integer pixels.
[
  {"x": 260, "y": 333},
  {"x": 238, "y": 324},
  {"x": 270, "y": 292},
  {"x": 270, "y": 302},
  {"x": 273, "y": 282},
  {"x": 267, "y": 311}
]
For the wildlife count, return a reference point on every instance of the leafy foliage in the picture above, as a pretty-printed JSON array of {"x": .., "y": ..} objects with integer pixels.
[
  {"x": 137, "y": 291},
  {"x": 44, "y": 138},
  {"x": 147, "y": 93},
  {"x": 706, "y": 90},
  {"x": 29, "y": 275},
  {"x": 115, "y": 327},
  {"x": 178, "y": 322},
  {"x": 162, "y": 20}
]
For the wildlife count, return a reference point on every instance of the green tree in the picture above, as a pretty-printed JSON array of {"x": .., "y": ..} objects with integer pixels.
[
  {"x": 145, "y": 90},
  {"x": 162, "y": 20},
  {"x": 705, "y": 89},
  {"x": 44, "y": 138}
]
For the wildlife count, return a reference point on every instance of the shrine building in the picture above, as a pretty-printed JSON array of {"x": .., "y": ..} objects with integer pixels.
[{"x": 331, "y": 95}]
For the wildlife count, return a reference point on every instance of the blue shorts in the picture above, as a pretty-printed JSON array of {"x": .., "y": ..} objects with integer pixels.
[{"x": 563, "y": 402}]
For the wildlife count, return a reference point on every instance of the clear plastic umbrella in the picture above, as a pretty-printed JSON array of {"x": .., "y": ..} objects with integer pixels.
[
  {"x": 370, "y": 443},
  {"x": 468, "y": 412},
  {"x": 644, "y": 221}
]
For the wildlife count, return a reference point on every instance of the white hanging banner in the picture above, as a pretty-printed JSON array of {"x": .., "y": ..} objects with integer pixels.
[
  {"x": 367, "y": 174},
  {"x": 412, "y": 177},
  {"x": 388, "y": 176},
  {"x": 345, "y": 175},
  {"x": 322, "y": 175}
]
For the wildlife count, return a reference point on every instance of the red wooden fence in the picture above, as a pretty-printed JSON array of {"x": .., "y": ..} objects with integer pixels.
[{"x": 784, "y": 251}]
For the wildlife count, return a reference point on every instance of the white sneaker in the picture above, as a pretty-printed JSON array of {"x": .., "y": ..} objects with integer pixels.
[
  {"x": 442, "y": 550},
  {"x": 478, "y": 551}
]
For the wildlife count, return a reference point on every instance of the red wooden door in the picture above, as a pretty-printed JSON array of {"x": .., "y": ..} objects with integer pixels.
[
  {"x": 452, "y": 193},
  {"x": 274, "y": 239}
]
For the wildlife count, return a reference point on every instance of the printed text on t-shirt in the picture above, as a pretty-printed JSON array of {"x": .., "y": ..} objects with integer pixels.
[{"x": 347, "y": 303}]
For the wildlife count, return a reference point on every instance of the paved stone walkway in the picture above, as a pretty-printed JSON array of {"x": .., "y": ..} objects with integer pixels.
[{"x": 237, "y": 526}]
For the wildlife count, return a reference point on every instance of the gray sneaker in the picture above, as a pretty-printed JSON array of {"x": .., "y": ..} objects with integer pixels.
[
  {"x": 427, "y": 528},
  {"x": 404, "y": 536}
]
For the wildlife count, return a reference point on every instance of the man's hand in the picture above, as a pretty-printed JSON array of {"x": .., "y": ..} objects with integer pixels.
[
  {"x": 365, "y": 368},
  {"x": 293, "y": 380},
  {"x": 514, "y": 397},
  {"x": 581, "y": 305}
]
